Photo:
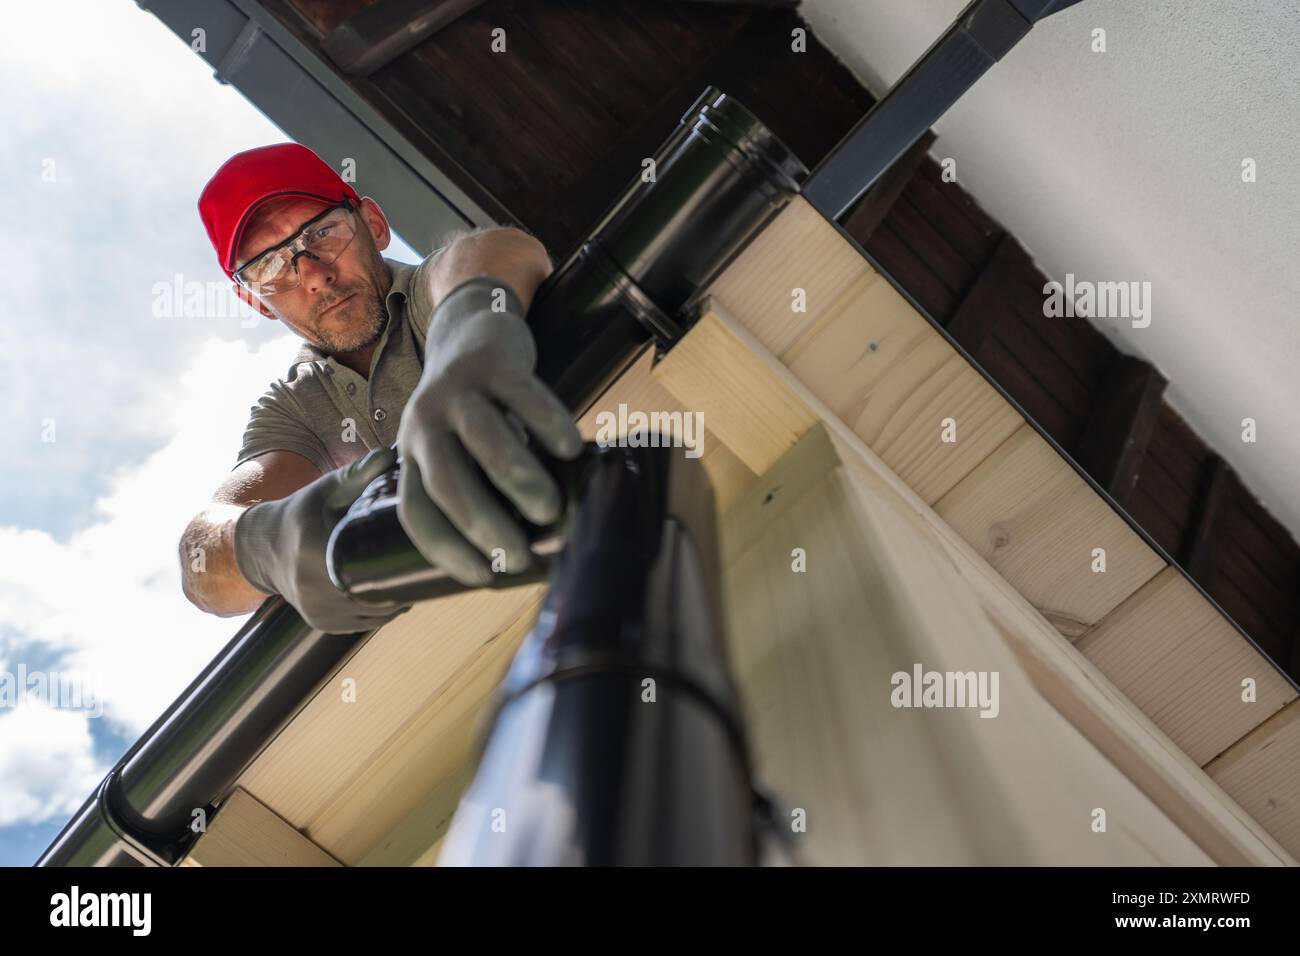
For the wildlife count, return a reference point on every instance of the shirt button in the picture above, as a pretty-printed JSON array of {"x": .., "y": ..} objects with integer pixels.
[
  {"x": 380, "y": 414},
  {"x": 352, "y": 388}
]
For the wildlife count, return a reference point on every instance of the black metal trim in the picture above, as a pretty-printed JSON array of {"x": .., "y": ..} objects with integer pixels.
[{"x": 982, "y": 34}]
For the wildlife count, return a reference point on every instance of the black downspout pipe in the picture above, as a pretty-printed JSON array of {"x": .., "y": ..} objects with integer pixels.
[
  {"x": 617, "y": 739},
  {"x": 718, "y": 180}
]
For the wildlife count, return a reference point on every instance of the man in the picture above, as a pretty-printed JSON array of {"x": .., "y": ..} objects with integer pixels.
[{"x": 435, "y": 358}]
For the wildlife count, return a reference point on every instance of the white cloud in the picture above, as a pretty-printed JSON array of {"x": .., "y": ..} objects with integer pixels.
[
  {"x": 149, "y": 411},
  {"x": 109, "y": 601},
  {"x": 46, "y": 762},
  {"x": 134, "y": 124}
]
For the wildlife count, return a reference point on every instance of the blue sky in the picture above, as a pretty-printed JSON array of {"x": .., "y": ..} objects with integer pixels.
[{"x": 122, "y": 419}]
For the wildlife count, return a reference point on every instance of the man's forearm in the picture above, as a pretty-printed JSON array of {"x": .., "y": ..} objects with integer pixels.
[
  {"x": 504, "y": 253},
  {"x": 210, "y": 576}
]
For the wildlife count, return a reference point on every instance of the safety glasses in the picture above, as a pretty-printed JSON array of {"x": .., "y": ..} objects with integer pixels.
[{"x": 323, "y": 239}]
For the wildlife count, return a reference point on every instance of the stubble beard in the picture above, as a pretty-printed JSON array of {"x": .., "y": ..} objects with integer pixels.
[{"x": 366, "y": 327}]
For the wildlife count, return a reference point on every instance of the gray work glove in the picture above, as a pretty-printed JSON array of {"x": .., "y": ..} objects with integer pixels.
[
  {"x": 280, "y": 546},
  {"x": 478, "y": 368}
]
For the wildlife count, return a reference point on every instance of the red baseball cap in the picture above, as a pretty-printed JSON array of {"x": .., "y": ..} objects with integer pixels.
[{"x": 249, "y": 179}]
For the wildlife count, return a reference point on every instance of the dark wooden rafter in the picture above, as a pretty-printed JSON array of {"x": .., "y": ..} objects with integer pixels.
[
  {"x": 378, "y": 34},
  {"x": 985, "y": 301},
  {"x": 1120, "y": 425},
  {"x": 1213, "y": 509},
  {"x": 578, "y": 207},
  {"x": 309, "y": 25},
  {"x": 790, "y": 112},
  {"x": 934, "y": 241},
  {"x": 861, "y": 221}
]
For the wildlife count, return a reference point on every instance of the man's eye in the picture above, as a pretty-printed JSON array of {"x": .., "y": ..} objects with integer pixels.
[
  {"x": 271, "y": 268},
  {"x": 323, "y": 231}
]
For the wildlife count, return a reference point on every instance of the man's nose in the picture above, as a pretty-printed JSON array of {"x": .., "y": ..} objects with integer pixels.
[{"x": 312, "y": 273}]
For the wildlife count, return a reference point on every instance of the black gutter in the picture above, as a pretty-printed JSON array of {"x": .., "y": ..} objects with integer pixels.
[{"x": 720, "y": 178}]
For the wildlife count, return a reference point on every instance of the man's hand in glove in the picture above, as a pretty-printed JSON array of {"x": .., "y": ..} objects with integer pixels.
[
  {"x": 280, "y": 546},
  {"x": 478, "y": 369}
]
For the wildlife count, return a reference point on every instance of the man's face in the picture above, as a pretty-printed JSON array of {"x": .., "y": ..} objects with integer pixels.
[{"x": 339, "y": 306}]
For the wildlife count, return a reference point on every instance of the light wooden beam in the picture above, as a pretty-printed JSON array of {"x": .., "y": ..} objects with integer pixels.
[
  {"x": 1262, "y": 772},
  {"x": 245, "y": 833},
  {"x": 1040, "y": 525},
  {"x": 1184, "y": 664},
  {"x": 865, "y": 351},
  {"x": 816, "y": 685}
]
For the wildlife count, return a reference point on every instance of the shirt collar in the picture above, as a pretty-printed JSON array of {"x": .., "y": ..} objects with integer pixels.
[{"x": 402, "y": 272}]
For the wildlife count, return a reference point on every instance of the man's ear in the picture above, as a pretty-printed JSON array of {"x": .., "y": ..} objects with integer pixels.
[
  {"x": 253, "y": 300},
  {"x": 376, "y": 221}
]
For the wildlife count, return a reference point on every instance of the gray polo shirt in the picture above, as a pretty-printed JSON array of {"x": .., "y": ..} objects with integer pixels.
[{"x": 329, "y": 414}]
